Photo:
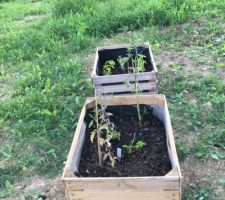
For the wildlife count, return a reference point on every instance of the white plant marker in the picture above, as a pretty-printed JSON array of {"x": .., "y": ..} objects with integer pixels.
[{"x": 119, "y": 152}]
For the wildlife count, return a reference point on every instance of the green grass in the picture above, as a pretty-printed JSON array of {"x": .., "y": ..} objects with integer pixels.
[
  {"x": 199, "y": 193},
  {"x": 48, "y": 84},
  {"x": 204, "y": 116}
]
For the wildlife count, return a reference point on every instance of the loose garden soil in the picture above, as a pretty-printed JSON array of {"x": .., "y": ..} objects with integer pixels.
[{"x": 151, "y": 160}]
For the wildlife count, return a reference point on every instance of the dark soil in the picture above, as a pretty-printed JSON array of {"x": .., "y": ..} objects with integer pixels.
[
  {"x": 151, "y": 160},
  {"x": 113, "y": 54}
]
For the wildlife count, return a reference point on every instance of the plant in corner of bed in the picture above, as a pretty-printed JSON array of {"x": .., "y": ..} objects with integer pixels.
[{"x": 104, "y": 132}]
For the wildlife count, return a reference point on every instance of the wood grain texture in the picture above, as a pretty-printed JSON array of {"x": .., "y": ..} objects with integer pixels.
[
  {"x": 122, "y": 184},
  {"x": 125, "y": 88},
  {"x": 120, "y": 195},
  {"x": 144, "y": 76}
]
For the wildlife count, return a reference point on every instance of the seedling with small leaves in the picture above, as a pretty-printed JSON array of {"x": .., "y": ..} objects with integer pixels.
[
  {"x": 132, "y": 148},
  {"x": 123, "y": 61},
  {"x": 108, "y": 67}
]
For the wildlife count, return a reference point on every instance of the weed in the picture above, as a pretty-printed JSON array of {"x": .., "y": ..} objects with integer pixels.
[
  {"x": 63, "y": 7},
  {"x": 182, "y": 150},
  {"x": 200, "y": 193}
]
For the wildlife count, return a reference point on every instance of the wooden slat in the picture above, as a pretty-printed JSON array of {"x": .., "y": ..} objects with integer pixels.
[
  {"x": 71, "y": 163},
  {"x": 153, "y": 60},
  {"x": 120, "y": 195},
  {"x": 173, "y": 172},
  {"x": 121, "y": 184},
  {"x": 149, "y": 92},
  {"x": 131, "y": 100},
  {"x": 94, "y": 71},
  {"x": 120, "y": 46},
  {"x": 151, "y": 76},
  {"x": 125, "y": 88},
  {"x": 170, "y": 137}
]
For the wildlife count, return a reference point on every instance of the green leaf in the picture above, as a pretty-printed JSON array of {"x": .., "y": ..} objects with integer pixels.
[
  {"x": 22, "y": 198},
  {"x": 77, "y": 100},
  {"x": 215, "y": 156},
  {"x": 24, "y": 168},
  {"x": 104, "y": 127},
  {"x": 5, "y": 154},
  {"x": 221, "y": 154},
  {"x": 47, "y": 84},
  {"x": 47, "y": 112},
  {"x": 222, "y": 181},
  {"x": 91, "y": 123},
  {"x": 8, "y": 184}
]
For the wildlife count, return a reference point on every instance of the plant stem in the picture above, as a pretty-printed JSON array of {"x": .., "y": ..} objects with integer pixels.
[
  {"x": 134, "y": 66},
  {"x": 98, "y": 133},
  {"x": 138, "y": 103}
]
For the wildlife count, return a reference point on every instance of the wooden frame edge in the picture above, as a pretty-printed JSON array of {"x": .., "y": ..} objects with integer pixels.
[
  {"x": 159, "y": 98},
  {"x": 145, "y": 44}
]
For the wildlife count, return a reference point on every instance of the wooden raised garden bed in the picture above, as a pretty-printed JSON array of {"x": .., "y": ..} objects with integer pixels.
[
  {"x": 82, "y": 181},
  {"x": 115, "y": 83}
]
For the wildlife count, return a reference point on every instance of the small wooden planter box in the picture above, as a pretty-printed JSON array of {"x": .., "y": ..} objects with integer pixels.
[
  {"x": 166, "y": 187},
  {"x": 115, "y": 84}
]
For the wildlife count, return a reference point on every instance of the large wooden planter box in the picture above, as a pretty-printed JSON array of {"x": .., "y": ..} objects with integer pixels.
[
  {"x": 115, "y": 84},
  {"x": 166, "y": 187}
]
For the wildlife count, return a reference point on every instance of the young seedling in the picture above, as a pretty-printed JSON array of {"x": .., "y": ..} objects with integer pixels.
[
  {"x": 132, "y": 148},
  {"x": 139, "y": 145},
  {"x": 122, "y": 61},
  {"x": 108, "y": 67}
]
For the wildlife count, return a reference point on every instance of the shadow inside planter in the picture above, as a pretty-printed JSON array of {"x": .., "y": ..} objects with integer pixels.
[{"x": 113, "y": 54}]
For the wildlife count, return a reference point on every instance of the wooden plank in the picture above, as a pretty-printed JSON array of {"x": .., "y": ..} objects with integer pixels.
[
  {"x": 170, "y": 138},
  {"x": 120, "y": 195},
  {"x": 76, "y": 157},
  {"x": 149, "y": 92},
  {"x": 67, "y": 194},
  {"x": 119, "y": 46},
  {"x": 153, "y": 60},
  {"x": 95, "y": 64},
  {"x": 133, "y": 184},
  {"x": 125, "y": 88},
  {"x": 124, "y": 77},
  {"x": 70, "y": 166},
  {"x": 150, "y": 99},
  {"x": 173, "y": 172}
]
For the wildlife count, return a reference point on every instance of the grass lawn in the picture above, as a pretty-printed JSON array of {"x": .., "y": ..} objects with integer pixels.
[{"x": 46, "y": 55}]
